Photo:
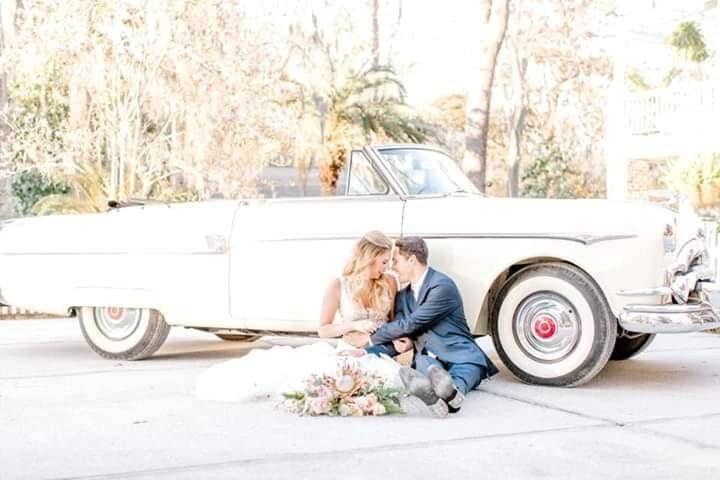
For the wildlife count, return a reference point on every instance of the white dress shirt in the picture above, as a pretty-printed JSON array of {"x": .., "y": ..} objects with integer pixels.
[{"x": 416, "y": 286}]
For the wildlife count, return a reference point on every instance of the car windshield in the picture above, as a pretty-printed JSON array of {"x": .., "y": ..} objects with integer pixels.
[{"x": 426, "y": 172}]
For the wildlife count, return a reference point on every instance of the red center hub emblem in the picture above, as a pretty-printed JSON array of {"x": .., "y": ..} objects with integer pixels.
[
  {"x": 115, "y": 313},
  {"x": 545, "y": 327}
]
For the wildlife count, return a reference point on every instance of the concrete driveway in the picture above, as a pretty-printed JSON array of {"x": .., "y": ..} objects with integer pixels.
[{"x": 66, "y": 413}]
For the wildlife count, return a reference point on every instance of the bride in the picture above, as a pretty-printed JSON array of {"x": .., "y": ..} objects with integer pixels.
[{"x": 354, "y": 306}]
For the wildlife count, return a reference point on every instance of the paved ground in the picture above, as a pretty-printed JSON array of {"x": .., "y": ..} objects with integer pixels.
[{"x": 66, "y": 413}]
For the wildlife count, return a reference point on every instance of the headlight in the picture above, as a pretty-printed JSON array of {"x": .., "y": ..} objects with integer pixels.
[{"x": 669, "y": 237}]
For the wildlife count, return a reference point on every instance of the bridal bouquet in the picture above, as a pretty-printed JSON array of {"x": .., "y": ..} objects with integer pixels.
[{"x": 350, "y": 392}]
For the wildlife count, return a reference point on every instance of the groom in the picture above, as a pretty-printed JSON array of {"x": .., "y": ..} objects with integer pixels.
[{"x": 448, "y": 363}]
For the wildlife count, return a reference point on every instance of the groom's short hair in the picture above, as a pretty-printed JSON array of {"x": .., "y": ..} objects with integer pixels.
[{"x": 409, "y": 246}]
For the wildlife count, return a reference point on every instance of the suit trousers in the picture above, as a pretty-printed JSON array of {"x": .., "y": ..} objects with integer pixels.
[{"x": 465, "y": 376}]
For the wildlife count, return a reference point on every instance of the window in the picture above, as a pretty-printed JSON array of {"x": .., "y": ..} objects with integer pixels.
[
  {"x": 426, "y": 172},
  {"x": 288, "y": 181},
  {"x": 364, "y": 180}
]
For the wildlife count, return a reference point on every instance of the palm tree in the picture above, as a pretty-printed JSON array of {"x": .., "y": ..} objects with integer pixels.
[
  {"x": 90, "y": 188},
  {"x": 89, "y": 193},
  {"x": 367, "y": 106},
  {"x": 689, "y": 42},
  {"x": 362, "y": 107}
]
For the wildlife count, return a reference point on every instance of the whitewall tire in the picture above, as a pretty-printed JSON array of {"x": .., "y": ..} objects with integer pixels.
[
  {"x": 551, "y": 325},
  {"x": 629, "y": 345},
  {"x": 119, "y": 333}
]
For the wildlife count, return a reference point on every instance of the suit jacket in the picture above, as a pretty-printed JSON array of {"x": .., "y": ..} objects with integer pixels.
[{"x": 436, "y": 322}]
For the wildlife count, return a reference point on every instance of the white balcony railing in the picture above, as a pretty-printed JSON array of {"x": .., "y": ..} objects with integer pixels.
[{"x": 671, "y": 110}]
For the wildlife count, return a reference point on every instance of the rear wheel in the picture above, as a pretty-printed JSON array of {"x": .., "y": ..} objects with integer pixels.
[
  {"x": 119, "y": 333},
  {"x": 551, "y": 325}
]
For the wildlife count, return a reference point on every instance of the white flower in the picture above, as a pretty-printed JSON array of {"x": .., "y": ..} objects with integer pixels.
[{"x": 345, "y": 384}]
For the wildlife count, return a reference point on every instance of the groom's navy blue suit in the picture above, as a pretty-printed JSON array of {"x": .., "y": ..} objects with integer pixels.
[{"x": 437, "y": 324}]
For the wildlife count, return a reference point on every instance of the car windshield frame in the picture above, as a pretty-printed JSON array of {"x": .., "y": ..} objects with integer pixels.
[{"x": 453, "y": 176}]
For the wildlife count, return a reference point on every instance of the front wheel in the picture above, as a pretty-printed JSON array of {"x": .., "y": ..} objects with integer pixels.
[
  {"x": 551, "y": 325},
  {"x": 119, "y": 333},
  {"x": 629, "y": 345}
]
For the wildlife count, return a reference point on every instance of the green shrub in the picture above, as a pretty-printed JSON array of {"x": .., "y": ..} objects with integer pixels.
[
  {"x": 550, "y": 175},
  {"x": 30, "y": 186}
]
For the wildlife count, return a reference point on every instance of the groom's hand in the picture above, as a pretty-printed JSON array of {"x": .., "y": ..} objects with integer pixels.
[{"x": 402, "y": 344}]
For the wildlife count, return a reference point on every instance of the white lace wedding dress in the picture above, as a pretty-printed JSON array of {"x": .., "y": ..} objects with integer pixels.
[{"x": 266, "y": 373}]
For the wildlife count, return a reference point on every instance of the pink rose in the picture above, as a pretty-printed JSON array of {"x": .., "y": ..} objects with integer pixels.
[
  {"x": 320, "y": 405},
  {"x": 366, "y": 403}
]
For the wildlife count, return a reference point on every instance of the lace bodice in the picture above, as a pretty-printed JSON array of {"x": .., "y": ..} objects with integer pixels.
[{"x": 352, "y": 309}]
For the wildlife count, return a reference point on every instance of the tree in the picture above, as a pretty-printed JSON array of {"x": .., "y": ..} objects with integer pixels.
[
  {"x": 166, "y": 92},
  {"x": 688, "y": 40},
  {"x": 494, "y": 18},
  {"x": 332, "y": 79},
  {"x": 367, "y": 105},
  {"x": 550, "y": 75}
]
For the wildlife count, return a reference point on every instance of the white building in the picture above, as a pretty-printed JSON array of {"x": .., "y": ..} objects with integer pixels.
[{"x": 677, "y": 121}]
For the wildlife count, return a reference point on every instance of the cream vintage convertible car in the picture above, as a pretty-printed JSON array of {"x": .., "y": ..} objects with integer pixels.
[{"x": 561, "y": 285}]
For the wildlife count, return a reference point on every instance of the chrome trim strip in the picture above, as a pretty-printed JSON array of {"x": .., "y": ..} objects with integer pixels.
[
  {"x": 670, "y": 308},
  {"x": 380, "y": 164},
  {"x": 389, "y": 186},
  {"x": 335, "y": 198},
  {"x": 583, "y": 239},
  {"x": 118, "y": 252},
  {"x": 646, "y": 292},
  {"x": 321, "y": 238}
]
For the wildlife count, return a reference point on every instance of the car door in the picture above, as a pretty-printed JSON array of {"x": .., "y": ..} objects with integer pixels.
[
  {"x": 452, "y": 223},
  {"x": 285, "y": 252}
]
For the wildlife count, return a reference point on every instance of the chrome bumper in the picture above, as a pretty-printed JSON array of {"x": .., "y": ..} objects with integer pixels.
[
  {"x": 691, "y": 317},
  {"x": 690, "y": 301}
]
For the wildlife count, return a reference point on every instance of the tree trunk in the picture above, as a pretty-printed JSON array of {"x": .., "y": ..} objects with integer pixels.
[
  {"x": 477, "y": 114},
  {"x": 375, "y": 33},
  {"x": 517, "y": 127},
  {"x": 516, "y": 122},
  {"x": 3, "y": 79}
]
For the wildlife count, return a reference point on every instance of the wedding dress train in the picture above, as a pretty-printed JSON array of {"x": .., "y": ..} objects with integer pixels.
[{"x": 267, "y": 373}]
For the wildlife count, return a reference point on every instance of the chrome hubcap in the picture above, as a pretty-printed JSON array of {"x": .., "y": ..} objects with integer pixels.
[
  {"x": 546, "y": 326},
  {"x": 117, "y": 323}
]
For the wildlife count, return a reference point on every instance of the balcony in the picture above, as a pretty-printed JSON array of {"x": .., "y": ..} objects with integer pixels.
[{"x": 672, "y": 122}]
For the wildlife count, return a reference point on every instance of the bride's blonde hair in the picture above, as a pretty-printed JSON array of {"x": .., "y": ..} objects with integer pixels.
[{"x": 370, "y": 293}]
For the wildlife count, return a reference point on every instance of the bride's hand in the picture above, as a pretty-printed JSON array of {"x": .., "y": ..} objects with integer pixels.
[
  {"x": 357, "y": 352},
  {"x": 357, "y": 339},
  {"x": 364, "y": 326}
]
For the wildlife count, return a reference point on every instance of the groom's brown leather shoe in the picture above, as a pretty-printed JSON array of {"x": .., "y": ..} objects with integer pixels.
[
  {"x": 419, "y": 386},
  {"x": 444, "y": 387}
]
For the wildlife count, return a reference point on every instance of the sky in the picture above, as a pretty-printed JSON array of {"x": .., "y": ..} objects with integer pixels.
[
  {"x": 435, "y": 46},
  {"x": 438, "y": 39},
  {"x": 435, "y": 42}
]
